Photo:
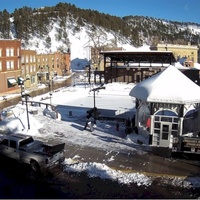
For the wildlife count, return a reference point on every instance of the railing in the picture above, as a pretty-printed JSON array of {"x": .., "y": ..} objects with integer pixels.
[{"x": 39, "y": 104}]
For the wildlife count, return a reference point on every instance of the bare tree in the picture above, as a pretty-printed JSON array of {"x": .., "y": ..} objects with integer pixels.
[{"x": 97, "y": 40}]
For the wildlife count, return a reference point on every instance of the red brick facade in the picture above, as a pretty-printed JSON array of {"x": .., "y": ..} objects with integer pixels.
[{"x": 10, "y": 65}]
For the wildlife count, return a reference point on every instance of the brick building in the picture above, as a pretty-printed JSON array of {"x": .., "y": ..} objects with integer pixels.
[
  {"x": 28, "y": 67},
  {"x": 10, "y": 65},
  {"x": 50, "y": 65}
]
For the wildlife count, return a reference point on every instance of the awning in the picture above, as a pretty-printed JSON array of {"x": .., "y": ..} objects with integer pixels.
[
  {"x": 12, "y": 82},
  {"x": 20, "y": 81}
]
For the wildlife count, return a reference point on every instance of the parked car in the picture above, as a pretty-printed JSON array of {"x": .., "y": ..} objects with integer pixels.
[{"x": 25, "y": 149}]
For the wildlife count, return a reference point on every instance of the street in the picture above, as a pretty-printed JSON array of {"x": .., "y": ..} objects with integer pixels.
[{"x": 18, "y": 181}]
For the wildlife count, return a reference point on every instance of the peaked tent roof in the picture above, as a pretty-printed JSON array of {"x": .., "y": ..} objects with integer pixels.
[{"x": 168, "y": 86}]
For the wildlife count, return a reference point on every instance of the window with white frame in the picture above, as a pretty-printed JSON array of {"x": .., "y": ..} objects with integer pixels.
[
  {"x": 18, "y": 64},
  {"x": 0, "y": 52},
  {"x": 22, "y": 59},
  {"x": 31, "y": 58},
  {"x": 9, "y": 52},
  {"x": 17, "y": 51},
  {"x": 0, "y": 66},
  {"x": 31, "y": 69},
  {"x": 26, "y": 59},
  {"x": 9, "y": 64}
]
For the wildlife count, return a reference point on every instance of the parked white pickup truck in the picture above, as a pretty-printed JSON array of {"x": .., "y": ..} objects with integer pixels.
[{"x": 25, "y": 149}]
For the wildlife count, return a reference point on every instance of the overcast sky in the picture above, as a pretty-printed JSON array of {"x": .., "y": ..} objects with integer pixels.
[{"x": 175, "y": 10}]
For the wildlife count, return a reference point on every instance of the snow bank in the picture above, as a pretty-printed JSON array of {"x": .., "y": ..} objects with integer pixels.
[{"x": 103, "y": 171}]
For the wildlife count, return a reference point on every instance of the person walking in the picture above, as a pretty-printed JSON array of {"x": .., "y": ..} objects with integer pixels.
[{"x": 88, "y": 123}]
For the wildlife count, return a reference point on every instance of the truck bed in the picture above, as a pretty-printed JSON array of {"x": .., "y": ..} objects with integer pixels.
[
  {"x": 50, "y": 150},
  {"x": 42, "y": 149}
]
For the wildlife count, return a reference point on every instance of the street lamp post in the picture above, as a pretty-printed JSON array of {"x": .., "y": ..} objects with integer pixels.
[
  {"x": 89, "y": 75},
  {"x": 49, "y": 84},
  {"x": 94, "y": 98},
  {"x": 24, "y": 95},
  {"x": 26, "y": 99},
  {"x": 50, "y": 94},
  {"x": 22, "y": 87}
]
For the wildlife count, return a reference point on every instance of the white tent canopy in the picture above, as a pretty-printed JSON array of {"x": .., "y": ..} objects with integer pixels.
[{"x": 168, "y": 86}]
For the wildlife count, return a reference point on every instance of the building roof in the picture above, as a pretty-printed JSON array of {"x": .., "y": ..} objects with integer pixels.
[
  {"x": 140, "y": 56},
  {"x": 168, "y": 86}
]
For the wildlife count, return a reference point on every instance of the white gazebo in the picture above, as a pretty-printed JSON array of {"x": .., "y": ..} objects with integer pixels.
[{"x": 168, "y": 106}]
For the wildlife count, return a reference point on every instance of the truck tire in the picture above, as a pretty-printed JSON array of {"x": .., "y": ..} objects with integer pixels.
[{"x": 35, "y": 166}]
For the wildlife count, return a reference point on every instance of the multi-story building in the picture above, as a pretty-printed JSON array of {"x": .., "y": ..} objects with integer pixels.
[
  {"x": 189, "y": 52},
  {"x": 28, "y": 67},
  {"x": 50, "y": 65},
  {"x": 19, "y": 66},
  {"x": 10, "y": 61}
]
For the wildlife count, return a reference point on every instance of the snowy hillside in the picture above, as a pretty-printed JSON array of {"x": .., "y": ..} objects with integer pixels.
[
  {"x": 49, "y": 31},
  {"x": 80, "y": 43}
]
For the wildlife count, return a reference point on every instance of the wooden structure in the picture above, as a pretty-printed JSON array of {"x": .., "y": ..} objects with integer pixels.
[{"x": 134, "y": 66}]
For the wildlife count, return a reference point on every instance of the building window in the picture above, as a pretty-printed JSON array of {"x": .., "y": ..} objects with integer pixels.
[
  {"x": 0, "y": 52},
  {"x": 17, "y": 51},
  {"x": 9, "y": 64},
  {"x": 26, "y": 59},
  {"x": 22, "y": 59},
  {"x": 9, "y": 52},
  {"x": 0, "y": 66},
  {"x": 12, "y": 64},
  {"x": 18, "y": 64}
]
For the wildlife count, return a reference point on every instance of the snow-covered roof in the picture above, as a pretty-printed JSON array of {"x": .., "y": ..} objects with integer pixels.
[{"x": 168, "y": 86}]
